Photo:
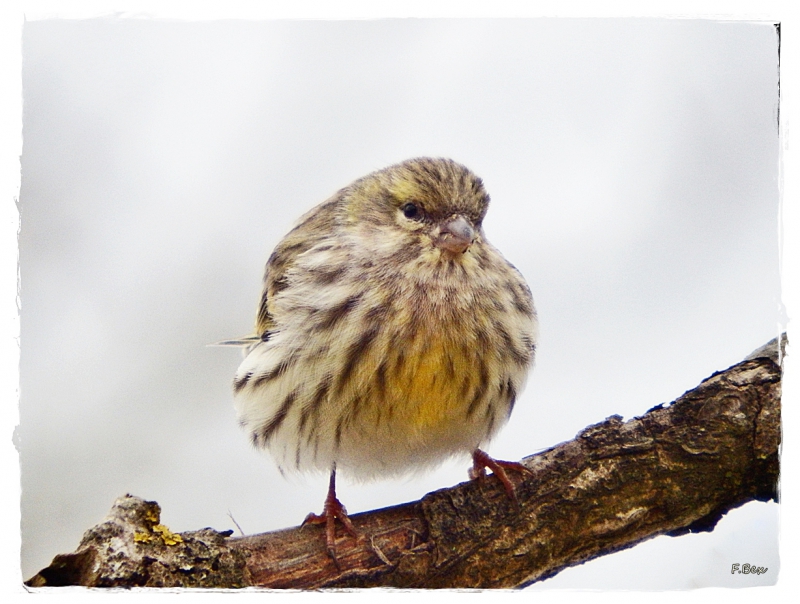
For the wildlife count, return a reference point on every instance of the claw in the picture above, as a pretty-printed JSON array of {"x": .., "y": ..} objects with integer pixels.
[{"x": 481, "y": 460}]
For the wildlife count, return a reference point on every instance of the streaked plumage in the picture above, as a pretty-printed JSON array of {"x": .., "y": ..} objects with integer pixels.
[{"x": 391, "y": 333}]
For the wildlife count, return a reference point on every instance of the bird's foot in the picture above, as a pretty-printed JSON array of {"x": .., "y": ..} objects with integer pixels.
[
  {"x": 481, "y": 460},
  {"x": 331, "y": 511}
]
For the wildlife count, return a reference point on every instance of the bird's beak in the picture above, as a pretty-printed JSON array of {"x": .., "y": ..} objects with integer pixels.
[{"x": 455, "y": 235}]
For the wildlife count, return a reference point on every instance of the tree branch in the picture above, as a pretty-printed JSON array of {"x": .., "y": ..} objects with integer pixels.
[{"x": 676, "y": 469}]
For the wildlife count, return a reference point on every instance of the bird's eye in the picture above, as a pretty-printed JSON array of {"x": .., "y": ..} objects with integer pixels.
[{"x": 410, "y": 210}]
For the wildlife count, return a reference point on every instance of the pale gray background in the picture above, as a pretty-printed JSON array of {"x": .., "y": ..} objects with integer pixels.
[{"x": 633, "y": 166}]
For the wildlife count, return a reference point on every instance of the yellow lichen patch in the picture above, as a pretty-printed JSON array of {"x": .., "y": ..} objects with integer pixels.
[
  {"x": 167, "y": 535},
  {"x": 159, "y": 530}
]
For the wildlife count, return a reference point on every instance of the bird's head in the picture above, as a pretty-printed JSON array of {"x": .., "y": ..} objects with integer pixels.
[{"x": 436, "y": 206}]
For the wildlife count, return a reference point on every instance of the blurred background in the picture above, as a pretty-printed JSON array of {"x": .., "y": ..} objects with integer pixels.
[{"x": 633, "y": 169}]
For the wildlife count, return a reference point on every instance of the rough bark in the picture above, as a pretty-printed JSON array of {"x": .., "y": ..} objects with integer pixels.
[{"x": 676, "y": 469}]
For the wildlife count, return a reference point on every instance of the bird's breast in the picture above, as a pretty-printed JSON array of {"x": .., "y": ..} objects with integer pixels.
[{"x": 432, "y": 381}]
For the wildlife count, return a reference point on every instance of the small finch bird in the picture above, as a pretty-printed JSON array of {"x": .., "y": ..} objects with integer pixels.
[{"x": 390, "y": 335}]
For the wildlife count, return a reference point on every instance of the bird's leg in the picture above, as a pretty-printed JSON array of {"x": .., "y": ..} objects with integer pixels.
[
  {"x": 331, "y": 510},
  {"x": 481, "y": 461}
]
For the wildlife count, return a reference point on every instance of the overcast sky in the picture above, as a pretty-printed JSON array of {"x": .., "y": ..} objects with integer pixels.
[{"x": 633, "y": 169}]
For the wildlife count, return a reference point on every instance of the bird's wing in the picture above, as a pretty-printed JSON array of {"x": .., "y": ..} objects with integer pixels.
[{"x": 312, "y": 228}]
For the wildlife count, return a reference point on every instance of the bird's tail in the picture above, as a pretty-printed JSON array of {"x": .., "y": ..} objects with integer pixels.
[{"x": 242, "y": 342}]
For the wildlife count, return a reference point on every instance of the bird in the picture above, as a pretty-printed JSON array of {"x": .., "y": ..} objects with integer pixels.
[{"x": 390, "y": 334}]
